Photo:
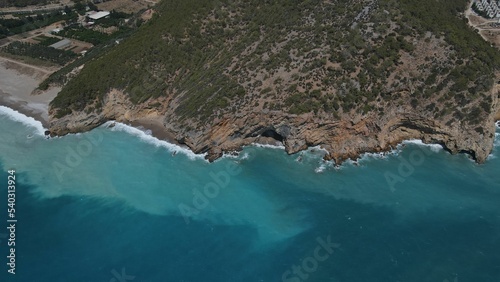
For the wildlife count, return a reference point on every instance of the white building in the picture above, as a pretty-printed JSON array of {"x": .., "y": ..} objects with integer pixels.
[
  {"x": 98, "y": 15},
  {"x": 490, "y": 7},
  {"x": 61, "y": 44}
]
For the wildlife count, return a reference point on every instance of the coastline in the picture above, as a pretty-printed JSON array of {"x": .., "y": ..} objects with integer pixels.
[
  {"x": 161, "y": 134},
  {"x": 18, "y": 91},
  {"x": 18, "y": 83},
  {"x": 158, "y": 130},
  {"x": 26, "y": 108}
]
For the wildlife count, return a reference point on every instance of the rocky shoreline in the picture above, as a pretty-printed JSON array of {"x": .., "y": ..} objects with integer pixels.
[
  {"x": 349, "y": 91},
  {"x": 342, "y": 139}
]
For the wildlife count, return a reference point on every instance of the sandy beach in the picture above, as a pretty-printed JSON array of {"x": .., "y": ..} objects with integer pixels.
[
  {"x": 157, "y": 128},
  {"x": 17, "y": 84}
]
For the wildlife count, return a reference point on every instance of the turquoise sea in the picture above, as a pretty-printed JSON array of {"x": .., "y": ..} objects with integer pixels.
[{"x": 117, "y": 205}]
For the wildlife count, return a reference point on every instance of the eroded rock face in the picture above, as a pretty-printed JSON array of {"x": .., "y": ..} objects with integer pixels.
[
  {"x": 345, "y": 138},
  {"x": 358, "y": 87},
  {"x": 116, "y": 107}
]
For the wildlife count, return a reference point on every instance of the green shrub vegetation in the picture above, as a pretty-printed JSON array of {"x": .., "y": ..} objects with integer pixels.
[
  {"x": 218, "y": 56},
  {"x": 39, "y": 51},
  {"x": 22, "y": 24},
  {"x": 88, "y": 35},
  {"x": 21, "y": 3},
  {"x": 46, "y": 41}
]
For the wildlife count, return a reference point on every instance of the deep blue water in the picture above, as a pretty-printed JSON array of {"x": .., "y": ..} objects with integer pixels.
[{"x": 114, "y": 201}]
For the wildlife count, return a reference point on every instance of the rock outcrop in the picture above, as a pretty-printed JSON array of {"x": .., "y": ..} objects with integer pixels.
[
  {"x": 346, "y": 138},
  {"x": 221, "y": 75}
]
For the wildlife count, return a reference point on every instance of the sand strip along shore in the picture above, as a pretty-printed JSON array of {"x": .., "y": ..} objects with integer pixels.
[{"x": 18, "y": 82}]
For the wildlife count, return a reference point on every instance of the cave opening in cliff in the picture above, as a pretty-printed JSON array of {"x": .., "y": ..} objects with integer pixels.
[{"x": 272, "y": 134}]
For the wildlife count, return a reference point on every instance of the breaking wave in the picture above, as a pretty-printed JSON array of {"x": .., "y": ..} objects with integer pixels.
[
  {"x": 434, "y": 147},
  {"x": 148, "y": 138},
  {"x": 28, "y": 121}
]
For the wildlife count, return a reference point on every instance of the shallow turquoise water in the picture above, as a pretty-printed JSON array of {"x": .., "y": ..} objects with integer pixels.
[{"x": 115, "y": 201}]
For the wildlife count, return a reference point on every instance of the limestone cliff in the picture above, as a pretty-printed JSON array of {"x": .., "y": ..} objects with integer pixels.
[
  {"x": 343, "y": 139},
  {"x": 353, "y": 77}
]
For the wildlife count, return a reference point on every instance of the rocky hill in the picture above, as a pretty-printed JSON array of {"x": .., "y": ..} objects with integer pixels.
[{"x": 351, "y": 76}]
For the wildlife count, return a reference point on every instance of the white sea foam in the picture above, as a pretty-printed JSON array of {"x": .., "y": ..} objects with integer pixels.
[
  {"x": 311, "y": 153},
  {"x": 231, "y": 155},
  {"x": 385, "y": 155},
  {"x": 496, "y": 142},
  {"x": 317, "y": 148},
  {"x": 368, "y": 155},
  {"x": 323, "y": 166},
  {"x": 434, "y": 147},
  {"x": 270, "y": 146},
  {"x": 148, "y": 138},
  {"x": 347, "y": 162},
  {"x": 378, "y": 156},
  {"x": 28, "y": 121},
  {"x": 244, "y": 156},
  {"x": 320, "y": 169}
]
